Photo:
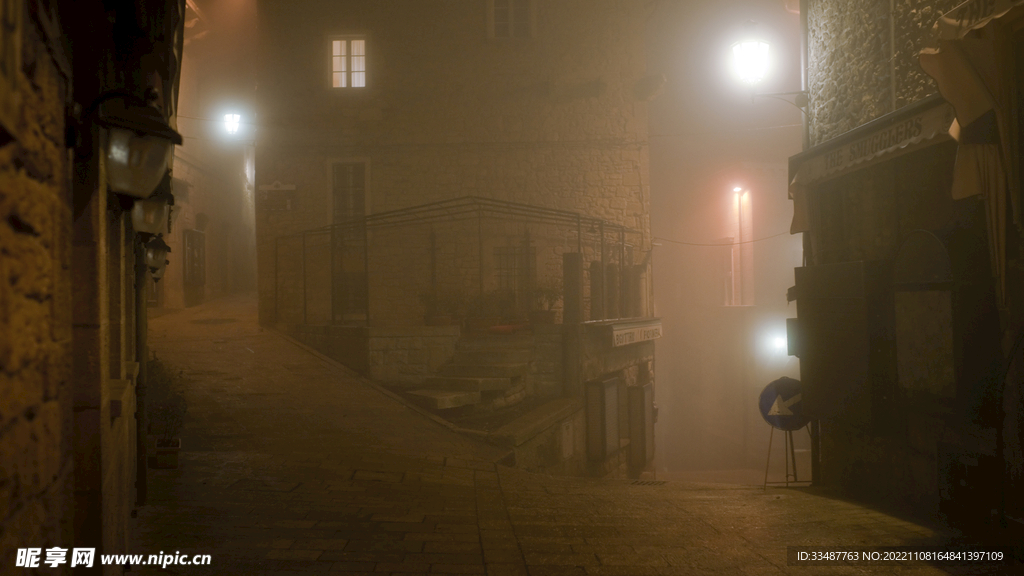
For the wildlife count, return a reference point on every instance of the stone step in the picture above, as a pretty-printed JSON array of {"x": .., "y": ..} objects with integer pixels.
[
  {"x": 441, "y": 399},
  {"x": 492, "y": 356},
  {"x": 468, "y": 384},
  {"x": 484, "y": 370}
]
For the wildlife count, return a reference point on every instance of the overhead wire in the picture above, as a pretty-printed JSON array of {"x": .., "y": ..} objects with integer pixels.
[{"x": 658, "y": 238}]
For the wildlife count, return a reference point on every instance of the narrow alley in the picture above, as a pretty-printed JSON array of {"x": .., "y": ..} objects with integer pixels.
[{"x": 291, "y": 463}]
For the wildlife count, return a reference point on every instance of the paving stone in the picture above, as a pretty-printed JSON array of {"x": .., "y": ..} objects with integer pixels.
[
  {"x": 506, "y": 569},
  {"x": 333, "y": 476},
  {"x": 278, "y": 554}
]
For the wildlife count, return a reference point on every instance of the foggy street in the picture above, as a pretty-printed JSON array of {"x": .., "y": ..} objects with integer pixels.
[
  {"x": 292, "y": 464},
  {"x": 511, "y": 287}
]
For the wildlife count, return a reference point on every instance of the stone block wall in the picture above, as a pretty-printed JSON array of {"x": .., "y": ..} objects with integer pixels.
[
  {"x": 546, "y": 376},
  {"x": 36, "y": 395},
  {"x": 406, "y": 354},
  {"x": 862, "y": 59},
  {"x": 549, "y": 120},
  {"x": 556, "y": 451},
  {"x": 410, "y": 354}
]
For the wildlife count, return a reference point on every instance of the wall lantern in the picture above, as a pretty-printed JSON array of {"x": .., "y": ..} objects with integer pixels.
[
  {"x": 750, "y": 60},
  {"x": 139, "y": 144},
  {"x": 152, "y": 215},
  {"x": 156, "y": 256}
]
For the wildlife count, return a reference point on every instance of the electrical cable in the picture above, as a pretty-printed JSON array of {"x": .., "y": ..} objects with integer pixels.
[{"x": 721, "y": 244}]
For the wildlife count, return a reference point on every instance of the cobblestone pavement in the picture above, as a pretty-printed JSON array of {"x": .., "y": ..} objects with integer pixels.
[{"x": 292, "y": 464}]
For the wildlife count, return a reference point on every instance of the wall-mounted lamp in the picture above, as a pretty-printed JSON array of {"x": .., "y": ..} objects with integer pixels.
[
  {"x": 751, "y": 62},
  {"x": 156, "y": 256},
  {"x": 139, "y": 143},
  {"x": 152, "y": 215}
]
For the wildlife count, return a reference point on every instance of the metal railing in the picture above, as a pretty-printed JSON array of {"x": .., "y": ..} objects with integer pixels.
[{"x": 451, "y": 254}]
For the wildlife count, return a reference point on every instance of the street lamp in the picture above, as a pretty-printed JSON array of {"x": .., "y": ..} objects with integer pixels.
[
  {"x": 232, "y": 122},
  {"x": 750, "y": 61}
]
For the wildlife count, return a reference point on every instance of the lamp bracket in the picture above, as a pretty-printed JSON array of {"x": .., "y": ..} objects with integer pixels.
[{"x": 800, "y": 98}]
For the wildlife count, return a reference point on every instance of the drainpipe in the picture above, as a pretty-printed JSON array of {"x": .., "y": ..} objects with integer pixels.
[
  {"x": 892, "y": 47},
  {"x": 803, "y": 73},
  {"x": 141, "y": 355},
  {"x": 815, "y": 427}
]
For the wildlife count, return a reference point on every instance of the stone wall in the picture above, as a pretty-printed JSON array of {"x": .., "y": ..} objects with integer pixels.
[
  {"x": 546, "y": 375},
  {"x": 549, "y": 120},
  {"x": 862, "y": 59},
  {"x": 36, "y": 396},
  {"x": 406, "y": 354},
  {"x": 410, "y": 353}
]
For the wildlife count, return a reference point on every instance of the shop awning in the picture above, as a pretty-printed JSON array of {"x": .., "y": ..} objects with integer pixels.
[
  {"x": 973, "y": 68},
  {"x": 895, "y": 134},
  {"x": 972, "y": 15}
]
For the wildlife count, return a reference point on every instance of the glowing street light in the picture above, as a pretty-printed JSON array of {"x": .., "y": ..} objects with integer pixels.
[
  {"x": 750, "y": 61},
  {"x": 232, "y": 123}
]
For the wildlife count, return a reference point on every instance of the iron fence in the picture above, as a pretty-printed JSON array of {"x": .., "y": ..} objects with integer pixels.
[{"x": 458, "y": 258}]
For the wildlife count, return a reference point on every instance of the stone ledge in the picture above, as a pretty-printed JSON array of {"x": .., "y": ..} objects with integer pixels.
[
  {"x": 413, "y": 331},
  {"x": 531, "y": 424}
]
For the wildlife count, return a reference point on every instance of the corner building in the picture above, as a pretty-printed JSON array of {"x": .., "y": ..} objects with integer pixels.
[
  {"x": 909, "y": 305},
  {"x": 424, "y": 169}
]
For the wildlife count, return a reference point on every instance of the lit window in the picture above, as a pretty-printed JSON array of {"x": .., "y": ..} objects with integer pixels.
[
  {"x": 348, "y": 63},
  {"x": 511, "y": 19}
]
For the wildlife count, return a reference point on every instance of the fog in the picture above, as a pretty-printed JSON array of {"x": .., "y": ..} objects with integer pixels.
[
  {"x": 708, "y": 137},
  {"x": 214, "y": 170}
]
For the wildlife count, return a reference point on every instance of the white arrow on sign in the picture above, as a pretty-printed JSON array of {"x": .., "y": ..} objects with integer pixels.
[{"x": 781, "y": 408}]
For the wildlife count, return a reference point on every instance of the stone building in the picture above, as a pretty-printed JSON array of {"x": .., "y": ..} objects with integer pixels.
[
  {"x": 430, "y": 160},
  {"x": 910, "y": 301},
  {"x": 72, "y": 341}
]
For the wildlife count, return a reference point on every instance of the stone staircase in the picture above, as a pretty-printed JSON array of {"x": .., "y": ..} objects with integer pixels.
[{"x": 487, "y": 372}]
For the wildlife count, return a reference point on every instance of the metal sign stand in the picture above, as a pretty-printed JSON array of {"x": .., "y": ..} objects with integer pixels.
[
  {"x": 780, "y": 406},
  {"x": 790, "y": 452}
]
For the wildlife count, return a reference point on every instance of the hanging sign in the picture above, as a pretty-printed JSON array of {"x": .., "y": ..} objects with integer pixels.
[
  {"x": 633, "y": 332},
  {"x": 780, "y": 404},
  {"x": 882, "y": 143},
  {"x": 277, "y": 197}
]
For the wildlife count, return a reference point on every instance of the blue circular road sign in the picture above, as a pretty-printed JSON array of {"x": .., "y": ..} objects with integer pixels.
[{"x": 780, "y": 404}]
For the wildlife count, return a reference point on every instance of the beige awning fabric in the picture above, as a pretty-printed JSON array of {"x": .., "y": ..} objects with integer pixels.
[
  {"x": 973, "y": 69},
  {"x": 913, "y": 133},
  {"x": 972, "y": 15}
]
